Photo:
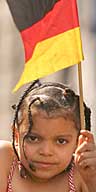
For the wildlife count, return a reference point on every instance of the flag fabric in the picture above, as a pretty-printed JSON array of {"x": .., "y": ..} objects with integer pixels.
[{"x": 50, "y": 33}]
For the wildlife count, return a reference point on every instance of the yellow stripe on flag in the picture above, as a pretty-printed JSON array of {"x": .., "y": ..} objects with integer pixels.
[{"x": 53, "y": 54}]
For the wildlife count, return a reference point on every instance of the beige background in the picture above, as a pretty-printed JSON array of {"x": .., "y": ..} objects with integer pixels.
[{"x": 12, "y": 62}]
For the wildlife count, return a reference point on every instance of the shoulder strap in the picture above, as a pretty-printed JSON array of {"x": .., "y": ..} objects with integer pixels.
[
  {"x": 71, "y": 179},
  {"x": 9, "y": 186}
]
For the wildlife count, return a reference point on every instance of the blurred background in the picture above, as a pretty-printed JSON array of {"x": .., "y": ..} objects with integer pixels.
[{"x": 12, "y": 63}]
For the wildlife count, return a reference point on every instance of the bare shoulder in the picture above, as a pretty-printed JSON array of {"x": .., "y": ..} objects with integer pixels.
[
  {"x": 6, "y": 158},
  {"x": 79, "y": 182}
]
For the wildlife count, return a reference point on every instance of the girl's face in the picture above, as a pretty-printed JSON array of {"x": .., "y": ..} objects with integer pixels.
[{"x": 49, "y": 146}]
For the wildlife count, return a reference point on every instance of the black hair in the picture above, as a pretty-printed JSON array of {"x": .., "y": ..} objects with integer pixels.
[{"x": 50, "y": 97}]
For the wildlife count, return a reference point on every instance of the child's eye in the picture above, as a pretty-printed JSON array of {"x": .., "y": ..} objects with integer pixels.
[
  {"x": 62, "y": 141},
  {"x": 32, "y": 139}
]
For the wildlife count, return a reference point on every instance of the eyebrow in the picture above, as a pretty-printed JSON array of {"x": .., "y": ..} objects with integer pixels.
[
  {"x": 34, "y": 133},
  {"x": 64, "y": 136}
]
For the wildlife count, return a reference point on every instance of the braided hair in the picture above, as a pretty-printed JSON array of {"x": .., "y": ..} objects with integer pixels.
[{"x": 55, "y": 99}]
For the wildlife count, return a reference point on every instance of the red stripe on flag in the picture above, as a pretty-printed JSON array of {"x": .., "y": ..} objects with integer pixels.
[{"x": 61, "y": 18}]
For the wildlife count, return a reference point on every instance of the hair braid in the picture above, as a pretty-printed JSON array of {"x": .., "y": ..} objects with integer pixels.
[
  {"x": 23, "y": 97},
  {"x": 30, "y": 113},
  {"x": 13, "y": 144},
  {"x": 31, "y": 87}
]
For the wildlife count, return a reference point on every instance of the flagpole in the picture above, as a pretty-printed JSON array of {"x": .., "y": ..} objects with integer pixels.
[{"x": 81, "y": 96}]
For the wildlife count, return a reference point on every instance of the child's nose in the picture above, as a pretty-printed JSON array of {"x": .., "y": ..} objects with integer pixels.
[{"x": 46, "y": 149}]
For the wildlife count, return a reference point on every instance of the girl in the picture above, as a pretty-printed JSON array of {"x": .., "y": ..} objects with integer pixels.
[{"x": 49, "y": 152}]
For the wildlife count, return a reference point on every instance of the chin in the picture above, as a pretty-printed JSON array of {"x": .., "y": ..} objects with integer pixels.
[{"x": 43, "y": 176}]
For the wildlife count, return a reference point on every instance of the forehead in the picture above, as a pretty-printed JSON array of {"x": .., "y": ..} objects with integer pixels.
[
  {"x": 54, "y": 124},
  {"x": 43, "y": 125}
]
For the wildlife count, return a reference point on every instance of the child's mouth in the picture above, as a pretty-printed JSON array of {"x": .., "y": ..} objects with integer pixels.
[{"x": 43, "y": 164}]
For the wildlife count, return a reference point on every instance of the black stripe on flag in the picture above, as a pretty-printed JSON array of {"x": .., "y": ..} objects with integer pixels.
[{"x": 27, "y": 12}]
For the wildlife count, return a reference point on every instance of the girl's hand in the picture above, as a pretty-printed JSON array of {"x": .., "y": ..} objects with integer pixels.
[{"x": 85, "y": 155}]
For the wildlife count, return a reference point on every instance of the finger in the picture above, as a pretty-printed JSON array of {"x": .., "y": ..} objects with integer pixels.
[
  {"x": 87, "y": 163},
  {"x": 85, "y": 146},
  {"x": 76, "y": 158},
  {"x": 81, "y": 139},
  {"x": 86, "y": 155},
  {"x": 88, "y": 135}
]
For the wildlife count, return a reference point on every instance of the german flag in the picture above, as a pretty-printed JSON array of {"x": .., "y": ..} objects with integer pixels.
[{"x": 51, "y": 36}]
